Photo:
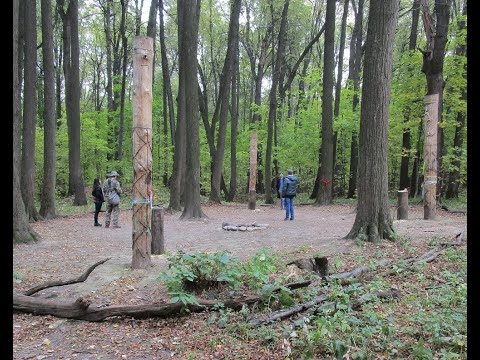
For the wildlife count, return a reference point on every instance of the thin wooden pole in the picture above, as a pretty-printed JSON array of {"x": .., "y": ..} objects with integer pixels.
[
  {"x": 142, "y": 152},
  {"x": 430, "y": 178},
  {"x": 252, "y": 194}
]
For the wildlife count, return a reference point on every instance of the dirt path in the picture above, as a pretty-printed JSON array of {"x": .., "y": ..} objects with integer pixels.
[{"x": 70, "y": 245}]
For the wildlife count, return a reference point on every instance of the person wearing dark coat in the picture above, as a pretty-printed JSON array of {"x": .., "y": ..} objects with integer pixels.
[{"x": 97, "y": 193}]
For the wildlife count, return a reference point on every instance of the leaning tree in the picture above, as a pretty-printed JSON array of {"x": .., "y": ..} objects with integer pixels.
[{"x": 373, "y": 221}]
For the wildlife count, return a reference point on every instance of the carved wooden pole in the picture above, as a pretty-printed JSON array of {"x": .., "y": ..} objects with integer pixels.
[
  {"x": 430, "y": 178},
  {"x": 142, "y": 152},
  {"x": 252, "y": 194}
]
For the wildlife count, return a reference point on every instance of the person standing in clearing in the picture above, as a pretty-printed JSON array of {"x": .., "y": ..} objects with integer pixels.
[
  {"x": 279, "y": 190},
  {"x": 289, "y": 191},
  {"x": 98, "y": 198},
  {"x": 112, "y": 189}
]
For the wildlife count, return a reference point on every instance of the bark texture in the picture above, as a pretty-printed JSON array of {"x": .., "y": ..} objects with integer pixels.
[{"x": 373, "y": 221}]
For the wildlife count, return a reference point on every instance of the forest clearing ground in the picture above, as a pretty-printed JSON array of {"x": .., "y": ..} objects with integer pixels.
[{"x": 71, "y": 244}]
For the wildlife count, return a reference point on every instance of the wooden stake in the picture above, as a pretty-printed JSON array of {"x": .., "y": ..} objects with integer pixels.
[
  {"x": 253, "y": 172},
  {"x": 158, "y": 240},
  {"x": 430, "y": 178},
  {"x": 142, "y": 152},
  {"x": 402, "y": 204}
]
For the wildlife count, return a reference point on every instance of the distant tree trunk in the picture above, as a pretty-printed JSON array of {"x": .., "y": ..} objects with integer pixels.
[
  {"x": 252, "y": 197},
  {"x": 258, "y": 79},
  {"x": 22, "y": 232},
  {"x": 47, "y": 206},
  {"x": 21, "y": 50},
  {"x": 433, "y": 59},
  {"x": 58, "y": 84},
  {"x": 152, "y": 31},
  {"x": 138, "y": 17},
  {"x": 454, "y": 176},
  {"x": 109, "y": 90},
  {"x": 406, "y": 146},
  {"x": 29, "y": 111},
  {"x": 124, "y": 4},
  {"x": 355, "y": 65},
  {"x": 272, "y": 112},
  {"x": 72, "y": 96},
  {"x": 191, "y": 15},
  {"x": 179, "y": 159},
  {"x": 373, "y": 220},
  {"x": 414, "y": 181},
  {"x": 338, "y": 84},
  {"x": 234, "y": 126},
  {"x": 168, "y": 109},
  {"x": 222, "y": 105},
  {"x": 324, "y": 195}
]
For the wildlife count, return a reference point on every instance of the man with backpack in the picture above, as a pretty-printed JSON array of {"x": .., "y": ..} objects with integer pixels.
[{"x": 289, "y": 191}]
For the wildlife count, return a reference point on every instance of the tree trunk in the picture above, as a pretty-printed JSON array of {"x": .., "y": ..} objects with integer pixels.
[
  {"x": 253, "y": 171},
  {"x": 72, "y": 97},
  {"x": 47, "y": 206},
  {"x": 272, "y": 112},
  {"x": 29, "y": 111},
  {"x": 373, "y": 221},
  {"x": 58, "y": 84},
  {"x": 142, "y": 150},
  {"x": 179, "y": 159},
  {"x": 324, "y": 195},
  {"x": 191, "y": 15},
  {"x": 454, "y": 176},
  {"x": 355, "y": 65},
  {"x": 152, "y": 31},
  {"x": 338, "y": 87},
  {"x": 430, "y": 179},
  {"x": 223, "y": 100},
  {"x": 123, "y": 35},
  {"x": 234, "y": 126},
  {"x": 432, "y": 67},
  {"x": 22, "y": 232},
  {"x": 109, "y": 89},
  {"x": 406, "y": 146}
]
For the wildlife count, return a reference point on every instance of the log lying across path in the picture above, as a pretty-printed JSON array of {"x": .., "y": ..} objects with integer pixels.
[{"x": 82, "y": 309}]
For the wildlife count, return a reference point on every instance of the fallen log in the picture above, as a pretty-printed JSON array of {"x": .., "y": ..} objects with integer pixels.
[
  {"x": 283, "y": 314},
  {"x": 81, "y": 309},
  {"x": 243, "y": 227},
  {"x": 50, "y": 284}
]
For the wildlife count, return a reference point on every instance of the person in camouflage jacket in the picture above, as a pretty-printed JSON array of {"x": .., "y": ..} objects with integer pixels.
[{"x": 111, "y": 186}]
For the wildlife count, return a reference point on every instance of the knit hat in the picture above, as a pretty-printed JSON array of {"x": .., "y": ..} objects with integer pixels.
[{"x": 113, "y": 173}]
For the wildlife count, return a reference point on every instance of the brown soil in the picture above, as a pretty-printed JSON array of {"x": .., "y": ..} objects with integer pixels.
[{"x": 70, "y": 245}]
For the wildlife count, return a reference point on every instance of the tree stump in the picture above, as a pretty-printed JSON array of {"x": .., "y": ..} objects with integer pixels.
[
  {"x": 158, "y": 240},
  {"x": 402, "y": 204}
]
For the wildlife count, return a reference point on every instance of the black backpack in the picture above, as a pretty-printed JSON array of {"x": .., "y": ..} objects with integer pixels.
[{"x": 290, "y": 186}]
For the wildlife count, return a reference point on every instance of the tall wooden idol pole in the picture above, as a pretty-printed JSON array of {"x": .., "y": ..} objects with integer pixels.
[
  {"x": 430, "y": 178},
  {"x": 142, "y": 152},
  {"x": 252, "y": 194}
]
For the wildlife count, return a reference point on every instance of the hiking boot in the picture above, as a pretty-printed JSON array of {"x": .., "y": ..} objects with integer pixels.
[
  {"x": 291, "y": 218},
  {"x": 97, "y": 224},
  {"x": 116, "y": 226},
  {"x": 107, "y": 225}
]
